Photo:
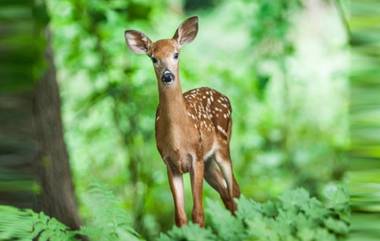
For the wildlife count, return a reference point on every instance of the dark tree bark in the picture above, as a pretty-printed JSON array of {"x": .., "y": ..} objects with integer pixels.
[{"x": 53, "y": 169}]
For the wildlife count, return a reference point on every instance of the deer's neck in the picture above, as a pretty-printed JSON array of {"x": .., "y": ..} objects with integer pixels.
[{"x": 172, "y": 105}]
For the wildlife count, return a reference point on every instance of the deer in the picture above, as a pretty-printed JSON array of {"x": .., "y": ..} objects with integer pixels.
[{"x": 192, "y": 129}]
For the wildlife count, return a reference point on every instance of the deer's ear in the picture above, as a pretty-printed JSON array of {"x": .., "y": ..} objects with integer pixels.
[
  {"x": 187, "y": 31},
  {"x": 137, "y": 41}
]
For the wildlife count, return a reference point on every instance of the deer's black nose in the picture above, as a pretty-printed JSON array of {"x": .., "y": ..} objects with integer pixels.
[{"x": 167, "y": 77}]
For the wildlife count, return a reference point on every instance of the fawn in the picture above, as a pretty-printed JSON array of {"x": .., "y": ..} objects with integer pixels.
[{"x": 193, "y": 129}]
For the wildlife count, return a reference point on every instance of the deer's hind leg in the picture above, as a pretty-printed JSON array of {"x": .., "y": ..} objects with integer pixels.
[{"x": 216, "y": 179}]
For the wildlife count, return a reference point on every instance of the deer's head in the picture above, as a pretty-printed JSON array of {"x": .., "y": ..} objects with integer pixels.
[{"x": 165, "y": 52}]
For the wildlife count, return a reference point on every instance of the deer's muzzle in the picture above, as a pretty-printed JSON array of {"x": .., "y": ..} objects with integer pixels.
[{"x": 167, "y": 77}]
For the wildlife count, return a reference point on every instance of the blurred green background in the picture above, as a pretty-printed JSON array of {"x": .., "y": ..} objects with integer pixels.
[
  {"x": 283, "y": 64},
  {"x": 302, "y": 76}
]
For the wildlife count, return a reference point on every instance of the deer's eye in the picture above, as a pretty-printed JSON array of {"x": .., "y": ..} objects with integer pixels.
[
  {"x": 154, "y": 60},
  {"x": 176, "y": 56}
]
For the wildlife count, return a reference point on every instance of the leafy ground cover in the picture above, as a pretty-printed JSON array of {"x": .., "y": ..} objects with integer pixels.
[{"x": 295, "y": 215}]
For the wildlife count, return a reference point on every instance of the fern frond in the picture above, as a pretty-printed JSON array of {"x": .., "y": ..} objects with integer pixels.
[
  {"x": 190, "y": 232},
  {"x": 226, "y": 226},
  {"x": 109, "y": 221},
  {"x": 294, "y": 216},
  {"x": 26, "y": 225}
]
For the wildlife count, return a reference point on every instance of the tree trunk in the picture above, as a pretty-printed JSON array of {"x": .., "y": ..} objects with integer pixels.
[
  {"x": 57, "y": 195},
  {"x": 34, "y": 166}
]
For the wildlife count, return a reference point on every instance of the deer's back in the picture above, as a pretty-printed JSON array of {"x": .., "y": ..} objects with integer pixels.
[{"x": 210, "y": 110}]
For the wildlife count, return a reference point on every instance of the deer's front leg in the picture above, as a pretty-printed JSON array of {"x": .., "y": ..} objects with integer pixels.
[
  {"x": 176, "y": 186},
  {"x": 196, "y": 175}
]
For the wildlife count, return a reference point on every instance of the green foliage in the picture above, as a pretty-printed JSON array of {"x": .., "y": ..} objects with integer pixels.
[
  {"x": 294, "y": 216},
  {"x": 272, "y": 22},
  {"x": 109, "y": 222},
  {"x": 22, "y": 44},
  {"x": 283, "y": 69},
  {"x": 363, "y": 20},
  {"x": 25, "y": 225},
  {"x": 289, "y": 122},
  {"x": 190, "y": 232}
]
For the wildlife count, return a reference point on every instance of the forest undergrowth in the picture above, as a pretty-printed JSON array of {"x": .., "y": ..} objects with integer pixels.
[{"x": 295, "y": 215}]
